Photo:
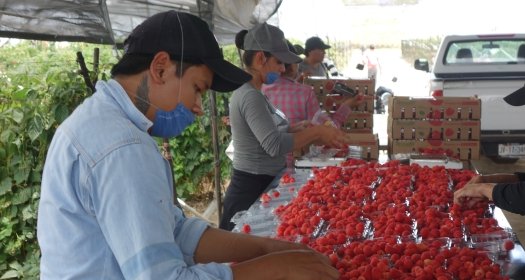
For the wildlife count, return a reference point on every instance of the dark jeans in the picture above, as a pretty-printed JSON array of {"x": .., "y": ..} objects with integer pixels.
[{"x": 243, "y": 191}]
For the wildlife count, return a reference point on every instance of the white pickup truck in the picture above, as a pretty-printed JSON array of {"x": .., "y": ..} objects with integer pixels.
[{"x": 491, "y": 67}]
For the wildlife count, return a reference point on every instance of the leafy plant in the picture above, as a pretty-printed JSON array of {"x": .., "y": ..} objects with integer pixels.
[{"x": 39, "y": 87}]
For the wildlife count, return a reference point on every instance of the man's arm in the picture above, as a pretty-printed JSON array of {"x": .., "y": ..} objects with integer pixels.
[
  {"x": 497, "y": 178},
  {"x": 262, "y": 258},
  {"x": 510, "y": 196},
  {"x": 217, "y": 245}
]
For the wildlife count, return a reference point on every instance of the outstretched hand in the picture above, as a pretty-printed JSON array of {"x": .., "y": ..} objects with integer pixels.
[
  {"x": 288, "y": 265},
  {"x": 333, "y": 137},
  {"x": 355, "y": 101},
  {"x": 473, "y": 192}
]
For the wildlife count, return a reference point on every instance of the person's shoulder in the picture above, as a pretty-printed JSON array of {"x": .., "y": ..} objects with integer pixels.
[
  {"x": 302, "y": 66},
  {"x": 99, "y": 131},
  {"x": 304, "y": 88},
  {"x": 246, "y": 93}
]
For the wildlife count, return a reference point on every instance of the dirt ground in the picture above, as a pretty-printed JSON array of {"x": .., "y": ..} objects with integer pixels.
[{"x": 201, "y": 201}]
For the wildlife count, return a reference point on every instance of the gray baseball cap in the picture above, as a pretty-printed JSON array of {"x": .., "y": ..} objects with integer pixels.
[{"x": 268, "y": 38}]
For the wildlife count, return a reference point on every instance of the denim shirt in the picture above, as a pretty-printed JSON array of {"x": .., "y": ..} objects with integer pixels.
[{"x": 106, "y": 207}]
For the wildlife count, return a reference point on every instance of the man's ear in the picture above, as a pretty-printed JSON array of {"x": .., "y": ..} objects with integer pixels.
[{"x": 159, "y": 66}]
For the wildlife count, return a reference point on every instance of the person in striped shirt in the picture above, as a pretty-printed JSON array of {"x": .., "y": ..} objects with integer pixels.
[{"x": 298, "y": 101}]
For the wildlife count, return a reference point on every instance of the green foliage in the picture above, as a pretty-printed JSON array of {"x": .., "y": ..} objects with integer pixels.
[
  {"x": 192, "y": 152},
  {"x": 39, "y": 87}
]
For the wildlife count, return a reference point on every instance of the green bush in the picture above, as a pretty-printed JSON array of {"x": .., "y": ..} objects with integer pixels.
[{"x": 39, "y": 87}]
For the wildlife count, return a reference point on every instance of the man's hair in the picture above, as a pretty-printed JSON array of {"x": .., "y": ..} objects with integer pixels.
[{"x": 131, "y": 64}]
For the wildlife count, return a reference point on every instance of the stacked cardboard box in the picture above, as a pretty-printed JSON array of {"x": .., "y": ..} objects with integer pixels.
[
  {"x": 359, "y": 124},
  {"x": 443, "y": 125},
  {"x": 361, "y": 119},
  {"x": 363, "y": 145}
]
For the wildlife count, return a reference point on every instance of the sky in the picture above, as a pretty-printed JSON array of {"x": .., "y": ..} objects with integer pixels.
[{"x": 301, "y": 19}]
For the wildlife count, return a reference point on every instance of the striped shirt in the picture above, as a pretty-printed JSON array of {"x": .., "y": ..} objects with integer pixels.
[{"x": 298, "y": 101}]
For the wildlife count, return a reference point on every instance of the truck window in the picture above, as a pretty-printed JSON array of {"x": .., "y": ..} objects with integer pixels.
[{"x": 491, "y": 51}]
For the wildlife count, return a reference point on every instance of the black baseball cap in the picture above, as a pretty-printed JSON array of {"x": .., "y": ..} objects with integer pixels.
[
  {"x": 186, "y": 38},
  {"x": 315, "y": 43},
  {"x": 516, "y": 98}
]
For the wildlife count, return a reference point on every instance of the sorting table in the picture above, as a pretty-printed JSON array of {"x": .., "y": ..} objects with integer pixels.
[{"x": 263, "y": 222}]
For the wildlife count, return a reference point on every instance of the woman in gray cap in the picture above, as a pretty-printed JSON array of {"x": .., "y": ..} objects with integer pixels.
[{"x": 261, "y": 134}]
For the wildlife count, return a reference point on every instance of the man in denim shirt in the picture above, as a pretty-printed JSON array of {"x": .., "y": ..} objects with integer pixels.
[{"x": 106, "y": 209}]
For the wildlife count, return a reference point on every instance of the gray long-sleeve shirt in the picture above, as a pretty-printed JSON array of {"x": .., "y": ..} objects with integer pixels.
[{"x": 259, "y": 131}]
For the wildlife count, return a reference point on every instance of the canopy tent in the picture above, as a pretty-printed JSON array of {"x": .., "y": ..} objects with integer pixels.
[{"x": 110, "y": 21}]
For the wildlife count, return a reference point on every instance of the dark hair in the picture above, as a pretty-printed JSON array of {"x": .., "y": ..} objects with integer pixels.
[
  {"x": 294, "y": 49},
  {"x": 131, "y": 64},
  {"x": 248, "y": 55}
]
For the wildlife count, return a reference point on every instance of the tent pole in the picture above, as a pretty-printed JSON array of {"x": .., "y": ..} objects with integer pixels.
[
  {"x": 216, "y": 155},
  {"x": 166, "y": 153},
  {"x": 205, "y": 11}
]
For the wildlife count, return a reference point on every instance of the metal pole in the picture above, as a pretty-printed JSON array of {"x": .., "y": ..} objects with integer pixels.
[
  {"x": 96, "y": 58},
  {"x": 166, "y": 153},
  {"x": 216, "y": 153}
]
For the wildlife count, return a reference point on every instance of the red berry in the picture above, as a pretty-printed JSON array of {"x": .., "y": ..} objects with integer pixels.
[
  {"x": 266, "y": 198},
  {"x": 508, "y": 245},
  {"x": 246, "y": 228}
]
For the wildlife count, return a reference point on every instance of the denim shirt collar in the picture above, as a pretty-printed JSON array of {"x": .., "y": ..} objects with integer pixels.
[{"x": 119, "y": 95}]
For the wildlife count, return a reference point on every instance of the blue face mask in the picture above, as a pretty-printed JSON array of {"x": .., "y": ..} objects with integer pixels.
[
  {"x": 171, "y": 123},
  {"x": 271, "y": 77}
]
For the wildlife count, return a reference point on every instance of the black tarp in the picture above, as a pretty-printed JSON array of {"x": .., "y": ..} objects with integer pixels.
[{"x": 110, "y": 21}]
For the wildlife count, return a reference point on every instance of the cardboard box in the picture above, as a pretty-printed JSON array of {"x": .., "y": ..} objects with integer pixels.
[
  {"x": 324, "y": 86},
  {"x": 399, "y": 129},
  {"x": 359, "y": 120},
  {"x": 461, "y": 149},
  {"x": 462, "y": 108},
  {"x": 368, "y": 144},
  {"x": 357, "y": 130},
  {"x": 332, "y": 102}
]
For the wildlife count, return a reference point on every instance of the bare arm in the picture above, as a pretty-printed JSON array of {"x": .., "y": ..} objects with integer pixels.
[
  {"x": 262, "y": 258},
  {"x": 496, "y": 178},
  {"x": 287, "y": 265},
  {"x": 473, "y": 192},
  {"x": 325, "y": 135},
  {"x": 217, "y": 245}
]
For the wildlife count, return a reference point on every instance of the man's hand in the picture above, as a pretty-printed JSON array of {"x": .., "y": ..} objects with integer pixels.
[
  {"x": 472, "y": 193},
  {"x": 355, "y": 101},
  {"x": 287, "y": 265}
]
